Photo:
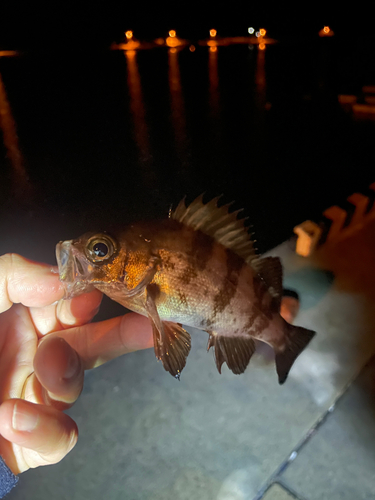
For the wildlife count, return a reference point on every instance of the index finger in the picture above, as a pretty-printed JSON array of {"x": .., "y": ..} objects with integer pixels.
[
  {"x": 66, "y": 313},
  {"x": 97, "y": 343},
  {"x": 29, "y": 283}
]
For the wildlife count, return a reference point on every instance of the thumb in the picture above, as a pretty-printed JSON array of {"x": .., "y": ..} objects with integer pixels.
[
  {"x": 45, "y": 434},
  {"x": 59, "y": 370}
]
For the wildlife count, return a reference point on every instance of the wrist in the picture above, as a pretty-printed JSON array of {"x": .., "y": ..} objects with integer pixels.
[{"x": 7, "y": 479}]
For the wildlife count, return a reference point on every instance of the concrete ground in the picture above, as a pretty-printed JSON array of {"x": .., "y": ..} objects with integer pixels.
[{"x": 144, "y": 435}]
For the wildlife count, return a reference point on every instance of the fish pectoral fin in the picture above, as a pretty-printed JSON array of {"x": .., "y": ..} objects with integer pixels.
[
  {"x": 234, "y": 351},
  {"x": 171, "y": 342},
  {"x": 174, "y": 349}
]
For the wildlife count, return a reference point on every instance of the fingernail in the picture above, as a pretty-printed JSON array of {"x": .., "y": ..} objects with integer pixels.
[
  {"x": 23, "y": 420},
  {"x": 73, "y": 366}
]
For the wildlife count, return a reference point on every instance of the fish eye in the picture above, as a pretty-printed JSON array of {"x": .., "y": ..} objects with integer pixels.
[{"x": 100, "y": 248}]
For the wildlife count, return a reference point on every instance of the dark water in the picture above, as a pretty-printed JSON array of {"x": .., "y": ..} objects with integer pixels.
[{"x": 96, "y": 137}]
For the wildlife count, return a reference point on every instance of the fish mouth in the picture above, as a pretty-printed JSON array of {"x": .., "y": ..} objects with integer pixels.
[{"x": 74, "y": 269}]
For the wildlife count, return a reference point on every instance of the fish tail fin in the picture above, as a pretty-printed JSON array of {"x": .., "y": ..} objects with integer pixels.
[{"x": 296, "y": 340}]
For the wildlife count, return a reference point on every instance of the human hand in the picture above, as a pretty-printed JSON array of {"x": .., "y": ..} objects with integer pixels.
[{"x": 46, "y": 343}]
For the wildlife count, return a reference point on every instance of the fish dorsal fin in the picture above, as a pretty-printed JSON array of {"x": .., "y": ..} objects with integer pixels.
[
  {"x": 270, "y": 271},
  {"x": 218, "y": 223}
]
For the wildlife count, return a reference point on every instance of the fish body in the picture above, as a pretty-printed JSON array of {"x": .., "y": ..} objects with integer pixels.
[{"x": 197, "y": 268}]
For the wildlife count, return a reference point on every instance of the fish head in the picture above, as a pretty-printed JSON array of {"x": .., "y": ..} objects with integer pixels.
[{"x": 92, "y": 259}]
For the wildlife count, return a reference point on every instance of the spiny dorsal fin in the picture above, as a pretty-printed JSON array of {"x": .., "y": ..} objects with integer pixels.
[{"x": 218, "y": 223}]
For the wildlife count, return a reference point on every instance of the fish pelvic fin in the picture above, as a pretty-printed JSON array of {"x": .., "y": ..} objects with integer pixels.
[
  {"x": 297, "y": 339},
  {"x": 234, "y": 351},
  {"x": 171, "y": 342}
]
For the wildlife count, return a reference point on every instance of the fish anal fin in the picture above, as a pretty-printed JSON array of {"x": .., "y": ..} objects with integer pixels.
[
  {"x": 270, "y": 270},
  {"x": 297, "y": 339},
  {"x": 219, "y": 358},
  {"x": 234, "y": 351},
  {"x": 223, "y": 226},
  {"x": 172, "y": 343}
]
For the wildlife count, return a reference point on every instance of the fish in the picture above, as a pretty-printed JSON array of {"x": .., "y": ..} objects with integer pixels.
[{"x": 198, "y": 268}]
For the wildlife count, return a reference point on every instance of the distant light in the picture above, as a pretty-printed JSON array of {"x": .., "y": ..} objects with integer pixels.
[
  {"x": 262, "y": 32},
  {"x": 172, "y": 33},
  {"x": 159, "y": 41},
  {"x": 172, "y": 42},
  {"x": 251, "y": 30},
  {"x": 213, "y": 33},
  {"x": 173, "y": 50},
  {"x": 262, "y": 46},
  {"x": 130, "y": 45},
  {"x": 326, "y": 31},
  {"x": 257, "y": 34},
  {"x": 129, "y": 34},
  {"x": 213, "y": 49},
  {"x": 192, "y": 48}
]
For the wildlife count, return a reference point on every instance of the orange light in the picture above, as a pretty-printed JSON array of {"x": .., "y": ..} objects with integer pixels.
[
  {"x": 130, "y": 45},
  {"x": 326, "y": 31},
  {"x": 172, "y": 33},
  {"x": 129, "y": 34},
  {"x": 192, "y": 48},
  {"x": 262, "y": 32},
  {"x": 5, "y": 53},
  {"x": 173, "y": 50},
  {"x": 262, "y": 46},
  {"x": 213, "y": 49},
  {"x": 172, "y": 42},
  {"x": 159, "y": 41},
  {"x": 213, "y": 33}
]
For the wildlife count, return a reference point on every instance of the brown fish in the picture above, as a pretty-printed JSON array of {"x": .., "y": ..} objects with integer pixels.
[{"x": 196, "y": 268}]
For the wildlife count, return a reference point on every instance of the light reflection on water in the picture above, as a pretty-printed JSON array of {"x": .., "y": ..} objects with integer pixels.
[
  {"x": 178, "y": 112},
  {"x": 181, "y": 123},
  {"x": 260, "y": 99},
  {"x": 214, "y": 93},
  {"x": 138, "y": 113},
  {"x": 20, "y": 184}
]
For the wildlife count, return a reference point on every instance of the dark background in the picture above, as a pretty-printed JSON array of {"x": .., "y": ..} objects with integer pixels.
[{"x": 35, "y": 24}]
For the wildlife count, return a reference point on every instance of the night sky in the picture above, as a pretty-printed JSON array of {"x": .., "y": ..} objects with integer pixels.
[{"x": 36, "y": 25}]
